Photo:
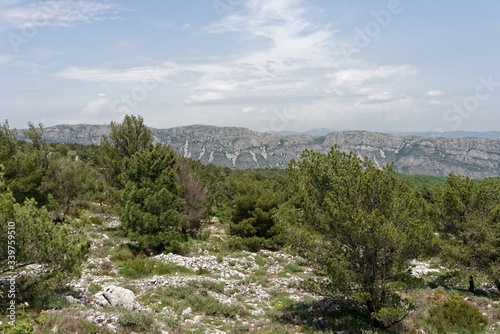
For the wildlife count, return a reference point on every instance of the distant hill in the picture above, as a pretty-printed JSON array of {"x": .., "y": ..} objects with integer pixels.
[
  {"x": 243, "y": 148},
  {"x": 455, "y": 134},
  {"x": 312, "y": 132}
]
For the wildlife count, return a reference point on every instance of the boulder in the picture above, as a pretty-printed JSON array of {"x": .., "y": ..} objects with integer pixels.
[{"x": 116, "y": 296}]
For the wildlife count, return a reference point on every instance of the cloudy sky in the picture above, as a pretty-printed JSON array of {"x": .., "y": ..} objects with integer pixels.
[{"x": 392, "y": 65}]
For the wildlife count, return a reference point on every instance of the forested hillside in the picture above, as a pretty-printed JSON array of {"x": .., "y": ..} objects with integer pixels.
[{"x": 128, "y": 235}]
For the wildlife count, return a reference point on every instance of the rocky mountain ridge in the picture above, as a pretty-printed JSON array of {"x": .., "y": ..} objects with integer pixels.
[{"x": 244, "y": 148}]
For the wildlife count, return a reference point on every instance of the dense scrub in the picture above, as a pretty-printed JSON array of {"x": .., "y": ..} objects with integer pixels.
[{"x": 357, "y": 226}]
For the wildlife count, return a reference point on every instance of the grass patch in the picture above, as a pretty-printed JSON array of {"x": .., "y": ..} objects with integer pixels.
[
  {"x": 91, "y": 266},
  {"x": 106, "y": 269},
  {"x": 259, "y": 276},
  {"x": 275, "y": 293},
  {"x": 259, "y": 260},
  {"x": 64, "y": 321},
  {"x": 143, "y": 267},
  {"x": 322, "y": 316},
  {"x": 94, "y": 288},
  {"x": 197, "y": 298},
  {"x": 122, "y": 255},
  {"x": 202, "y": 271},
  {"x": 173, "y": 324},
  {"x": 217, "y": 287},
  {"x": 251, "y": 244},
  {"x": 95, "y": 220},
  {"x": 135, "y": 321},
  {"x": 290, "y": 269},
  {"x": 282, "y": 302}
]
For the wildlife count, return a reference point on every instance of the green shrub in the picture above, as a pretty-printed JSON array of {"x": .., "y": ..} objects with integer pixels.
[
  {"x": 290, "y": 269},
  {"x": 95, "y": 220},
  {"x": 204, "y": 234},
  {"x": 453, "y": 314},
  {"x": 255, "y": 198},
  {"x": 252, "y": 244},
  {"x": 94, "y": 288},
  {"x": 123, "y": 254},
  {"x": 52, "y": 302},
  {"x": 202, "y": 271},
  {"x": 209, "y": 285},
  {"x": 173, "y": 323},
  {"x": 136, "y": 321}
]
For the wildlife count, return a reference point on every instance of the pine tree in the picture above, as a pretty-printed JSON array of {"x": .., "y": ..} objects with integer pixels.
[
  {"x": 55, "y": 251},
  {"x": 359, "y": 225},
  {"x": 152, "y": 214},
  {"x": 469, "y": 225},
  {"x": 124, "y": 140}
]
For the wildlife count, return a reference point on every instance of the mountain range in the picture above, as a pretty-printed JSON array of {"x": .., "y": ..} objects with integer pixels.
[{"x": 244, "y": 148}]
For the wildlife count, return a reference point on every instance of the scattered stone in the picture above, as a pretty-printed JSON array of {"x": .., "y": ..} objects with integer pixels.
[
  {"x": 187, "y": 312},
  {"x": 112, "y": 328},
  {"x": 71, "y": 300},
  {"x": 238, "y": 288},
  {"x": 420, "y": 269},
  {"x": 113, "y": 224},
  {"x": 197, "y": 319}
]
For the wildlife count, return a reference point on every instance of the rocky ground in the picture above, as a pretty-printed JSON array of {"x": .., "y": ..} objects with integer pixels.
[{"x": 209, "y": 290}]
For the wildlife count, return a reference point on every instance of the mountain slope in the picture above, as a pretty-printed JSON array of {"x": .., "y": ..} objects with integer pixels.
[{"x": 243, "y": 148}]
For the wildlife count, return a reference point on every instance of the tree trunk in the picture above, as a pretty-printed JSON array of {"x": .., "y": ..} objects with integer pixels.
[
  {"x": 471, "y": 284},
  {"x": 497, "y": 283},
  {"x": 375, "y": 324}
]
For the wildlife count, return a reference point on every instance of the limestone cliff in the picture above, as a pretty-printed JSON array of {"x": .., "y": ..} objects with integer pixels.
[{"x": 243, "y": 148}]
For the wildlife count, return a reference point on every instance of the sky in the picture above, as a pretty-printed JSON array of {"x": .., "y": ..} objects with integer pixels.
[{"x": 267, "y": 65}]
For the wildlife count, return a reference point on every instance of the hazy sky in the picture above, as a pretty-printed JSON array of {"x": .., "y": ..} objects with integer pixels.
[{"x": 407, "y": 65}]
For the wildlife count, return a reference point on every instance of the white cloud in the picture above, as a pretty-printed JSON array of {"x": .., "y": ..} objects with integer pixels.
[
  {"x": 438, "y": 102},
  {"x": 336, "y": 113},
  {"x": 369, "y": 85},
  {"x": 357, "y": 76},
  {"x": 290, "y": 63},
  {"x": 246, "y": 110},
  {"x": 5, "y": 59},
  {"x": 293, "y": 41},
  {"x": 98, "y": 106},
  {"x": 435, "y": 93},
  {"x": 289, "y": 49},
  {"x": 144, "y": 74},
  {"x": 63, "y": 13},
  {"x": 203, "y": 97},
  {"x": 380, "y": 97}
]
